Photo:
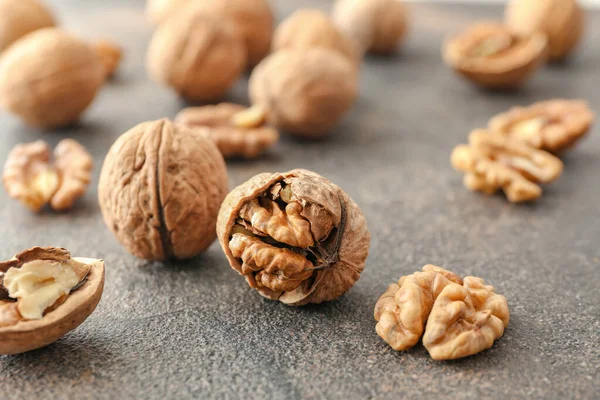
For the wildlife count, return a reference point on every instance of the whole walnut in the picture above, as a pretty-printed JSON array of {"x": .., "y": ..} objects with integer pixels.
[
  {"x": 19, "y": 17},
  {"x": 200, "y": 56},
  {"x": 306, "y": 28},
  {"x": 377, "y": 26},
  {"x": 160, "y": 190},
  {"x": 48, "y": 78},
  {"x": 306, "y": 92},
  {"x": 295, "y": 236},
  {"x": 561, "y": 20}
]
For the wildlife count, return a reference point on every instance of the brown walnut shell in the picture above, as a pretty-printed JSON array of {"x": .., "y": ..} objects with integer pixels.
[
  {"x": 160, "y": 190},
  {"x": 490, "y": 55},
  {"x": 48, "y": 78},
  {"x": 20, "y": 17},
  {"x": 295, "y": 236}
]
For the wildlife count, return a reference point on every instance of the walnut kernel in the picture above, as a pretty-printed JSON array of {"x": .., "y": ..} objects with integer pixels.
[
  {"x": 20, "y": 17},
  {"x": 110, "y": 54}
]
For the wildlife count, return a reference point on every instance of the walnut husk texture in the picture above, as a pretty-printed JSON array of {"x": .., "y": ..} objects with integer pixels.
[
  {"x": 160, "y": 190},
  {"x": 20, "y": 17},
  {"x": 295, "y": 236}
]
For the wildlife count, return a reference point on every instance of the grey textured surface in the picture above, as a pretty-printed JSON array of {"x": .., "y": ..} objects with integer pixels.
[{"x": 195, "y": 330}]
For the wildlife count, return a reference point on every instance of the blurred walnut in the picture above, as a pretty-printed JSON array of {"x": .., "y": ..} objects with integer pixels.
[
  {"x": 305, "y": 29},
  {"x": 493, "y": 161},
  {"x": 305, "y": 93},
  {"x": 376, "y": 26},
  {"x": 159, "y": 10},
  {"x": 30, "y": 177},
  {"x": 552, "y": 125},
  {"x": 295, "y": 236},
  {"x": 198, "y": 55},
  {"x": 490, "y": 55},
  {"x": 48, "y": 78},
  {"x": 160, "y": 190},
  {"x": 20, "y": 17},
  {"x": 455, "y": 319},
  {"x": 236, "y": 130},
  {"x": 110, "y": 54},
  {"x": 561, "y": 20}
]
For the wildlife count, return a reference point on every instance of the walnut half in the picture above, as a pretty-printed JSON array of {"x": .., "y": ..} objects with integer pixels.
[{"x": 295, "y": 236}]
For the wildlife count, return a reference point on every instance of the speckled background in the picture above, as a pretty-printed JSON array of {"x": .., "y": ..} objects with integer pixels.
[{"x": 195, "y": 330}]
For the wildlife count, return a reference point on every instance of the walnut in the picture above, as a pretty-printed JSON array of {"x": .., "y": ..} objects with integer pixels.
[
  {"x": 295, "y": 236},
  {"x": 493, "y": 161},
  {"x": 44, "y": 294},
  {"x": 376, "y": 26},
  {"x": 110, "y": 54},
  {"x": 305, "y": 93},
  {"x": 198, "y": 55},
  {"x": 553, "y": 125},
  {"x": 490, "y": 55},
  {"x": 30, "y": 176},
  {"x": 306, "y": 28},
  {"x": 160, "y": 190},
  {"x": 48, "y": 78},
  {"x": 236, "y": 130},
  {"x": 455, "y": 318},
  {"x": 561, "y": 20},
  {"x": 20, "y": 17}
]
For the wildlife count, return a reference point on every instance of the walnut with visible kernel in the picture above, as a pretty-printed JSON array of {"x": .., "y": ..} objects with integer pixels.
[
  {"x": 294, "y": 236},
  {"x": 110, "y": 54},
  {"x": 493, "y": 161},
  {"x": 30, "y": 177},
  {"x": 553, "y": 125},
  {"x": 236, "y": 130}
]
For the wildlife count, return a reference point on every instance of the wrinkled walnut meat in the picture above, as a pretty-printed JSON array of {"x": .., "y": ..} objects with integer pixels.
[
  {"x": 110, "y": 54},
  {"x": 455, "y": 318},
  {"x": 490, "y": 55},
  {"x": 30, "y": 176},
  {"x": 552, "y": 125},
  {"x": 296, "y": 237},
  {"x": 493, "y": 161},
  {"x": 44, "y": 293},
  {"x": 236, "y": 130}
]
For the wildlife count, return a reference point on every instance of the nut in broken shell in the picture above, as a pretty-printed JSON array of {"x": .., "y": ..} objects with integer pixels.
[
  {"x": 44, "y": 294},
  {"x": 295, "y": 236},
  {"x": 491, "y": 55}
]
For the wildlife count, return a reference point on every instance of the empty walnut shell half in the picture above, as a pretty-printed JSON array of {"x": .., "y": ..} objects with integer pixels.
[
  {"x": 553, "y": 125},
  {"x": 160, "y": 190},
  {"x": 44, "y": 294},
  {"x": 561, "y": 20},
  {"x": 492, "y": 56},
  {"x": 295, "y": 236},
  {"x": 20, "y": 17}
]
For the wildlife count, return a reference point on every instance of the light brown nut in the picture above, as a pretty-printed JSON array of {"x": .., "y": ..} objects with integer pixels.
[
  {"x": 198, "y": 55},
  {"x": 553, "y": 125},
  {"x": 159, "y": 10},
  {"x": 295, "y": 236},
  {"x": 48, "y": 78},
  {"x": 465, "y": 320},
  {"x": 490, "y": 55},
  {"x": 236, "y": 130},
  {"x": 402, "y": 311},
  {"x": 48, "y": 294},
  {"x": 160, "y": 190},
  {"x": 377, "y": 26},
  {"x": 110, "y": 54},
  {"x": 493, "y": 161},
  {"x": 20, "y": 17},
  {"x": 32, "y": 178},
  {"x": 561, "y": 20},
  {"x": 304, "y": 93},
  {"x": 307, "y": 28}
]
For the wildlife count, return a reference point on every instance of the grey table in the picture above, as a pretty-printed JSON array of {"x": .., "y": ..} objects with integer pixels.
[{"x": 194, "y": 329}]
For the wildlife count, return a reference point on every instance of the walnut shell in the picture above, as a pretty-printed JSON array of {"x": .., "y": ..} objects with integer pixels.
[
  {"x": 27, "y": 335},
  {"x": 20, "y": 17},
  {"x": 198, "y": 55},
  {"x": 306, "y": 28},
  {"x": 305, "y": 93},
  {"x": 561, "y": 20},
  {"x": 160, "y": 190},
  {"x": 295, "y": 236},
  {"x": 48, "y": 78},
  {"x": 492, "y": 56}
]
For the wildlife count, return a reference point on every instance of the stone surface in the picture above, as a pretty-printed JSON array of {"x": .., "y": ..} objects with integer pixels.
[{"x": 196, "y": 330}]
